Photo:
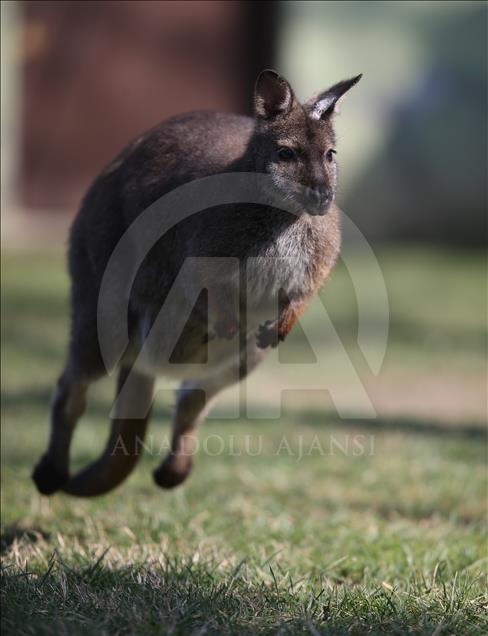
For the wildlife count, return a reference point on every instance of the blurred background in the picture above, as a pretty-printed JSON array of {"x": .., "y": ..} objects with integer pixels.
[{"x": 80, "y": 79}]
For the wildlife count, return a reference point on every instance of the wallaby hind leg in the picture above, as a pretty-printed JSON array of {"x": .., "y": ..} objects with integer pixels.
[
  {"x": 67, "y": 406},
  {"x": 192, "y": 405},
  {"x": 84, "y": 365},
  {"x": 122, "y": 451}
]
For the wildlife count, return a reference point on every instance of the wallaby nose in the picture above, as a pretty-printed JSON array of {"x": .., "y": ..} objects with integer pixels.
[{"x": 319, "y": 197}]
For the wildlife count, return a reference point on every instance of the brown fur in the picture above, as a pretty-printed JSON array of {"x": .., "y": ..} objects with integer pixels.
[{"x": 293, "y": 143}]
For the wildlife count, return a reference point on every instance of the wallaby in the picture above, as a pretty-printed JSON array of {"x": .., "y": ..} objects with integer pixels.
[{"x": 292, "y": 143}]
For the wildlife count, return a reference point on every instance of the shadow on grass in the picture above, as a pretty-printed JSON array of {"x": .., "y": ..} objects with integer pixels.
[
  {"x": 14, "y": 532},
  {"x": 41, "y": 397},
  {"x": 409, "y": 425},
  {"x": 178, "y": 596}
]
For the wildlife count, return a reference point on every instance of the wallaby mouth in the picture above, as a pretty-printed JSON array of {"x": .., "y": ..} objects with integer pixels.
[
  {"x": 303, "y": 205},
  {"x": 316, "y": 208},
  {"x": 319, "y": 210}
]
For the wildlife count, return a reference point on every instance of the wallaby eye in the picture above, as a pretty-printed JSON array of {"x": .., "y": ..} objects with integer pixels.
[
  {"x": 286, "y": 154},
  {"x": 329, "y": 155}
]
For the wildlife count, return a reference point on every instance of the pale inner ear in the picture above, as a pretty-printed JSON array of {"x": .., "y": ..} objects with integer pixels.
[
  {"x": 323, "y": 105},
  {"x": 328, "y": 101}
]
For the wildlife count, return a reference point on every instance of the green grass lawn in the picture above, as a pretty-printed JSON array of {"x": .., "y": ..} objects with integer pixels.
[{"x": 374, "y": 526}]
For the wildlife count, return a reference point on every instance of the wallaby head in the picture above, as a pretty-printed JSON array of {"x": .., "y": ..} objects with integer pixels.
[{"x": 295, "y": 143}]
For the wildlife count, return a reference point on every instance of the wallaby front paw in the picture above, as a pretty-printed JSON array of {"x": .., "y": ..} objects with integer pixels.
[
  {"x": 173, "y": 471},
  {"x": 267, "y": 335},
  {"x": 47, "y": 477}
]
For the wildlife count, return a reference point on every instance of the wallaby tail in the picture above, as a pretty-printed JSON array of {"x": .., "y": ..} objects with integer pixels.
[{"x": 123, "y": 448}]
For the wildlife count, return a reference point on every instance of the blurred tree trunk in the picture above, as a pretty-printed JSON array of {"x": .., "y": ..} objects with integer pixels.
[{"x": 97, "y": 74}]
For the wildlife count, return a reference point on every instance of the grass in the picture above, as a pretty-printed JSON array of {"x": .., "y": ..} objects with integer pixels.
[{"x": 306, "y": 524}]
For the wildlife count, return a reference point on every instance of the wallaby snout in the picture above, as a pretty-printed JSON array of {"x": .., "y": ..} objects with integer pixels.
[{"x": 317, "y": 200}]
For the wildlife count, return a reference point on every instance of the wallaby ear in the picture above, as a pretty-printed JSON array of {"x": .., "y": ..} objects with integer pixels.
[
  {"x": 272, "y": 95},
  {"x": 327, "y": 103}
]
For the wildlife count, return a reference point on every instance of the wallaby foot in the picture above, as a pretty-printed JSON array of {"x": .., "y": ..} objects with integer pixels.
[
  {"x": 173, "y": 471},
  {"x": 47, "y": 477}
]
